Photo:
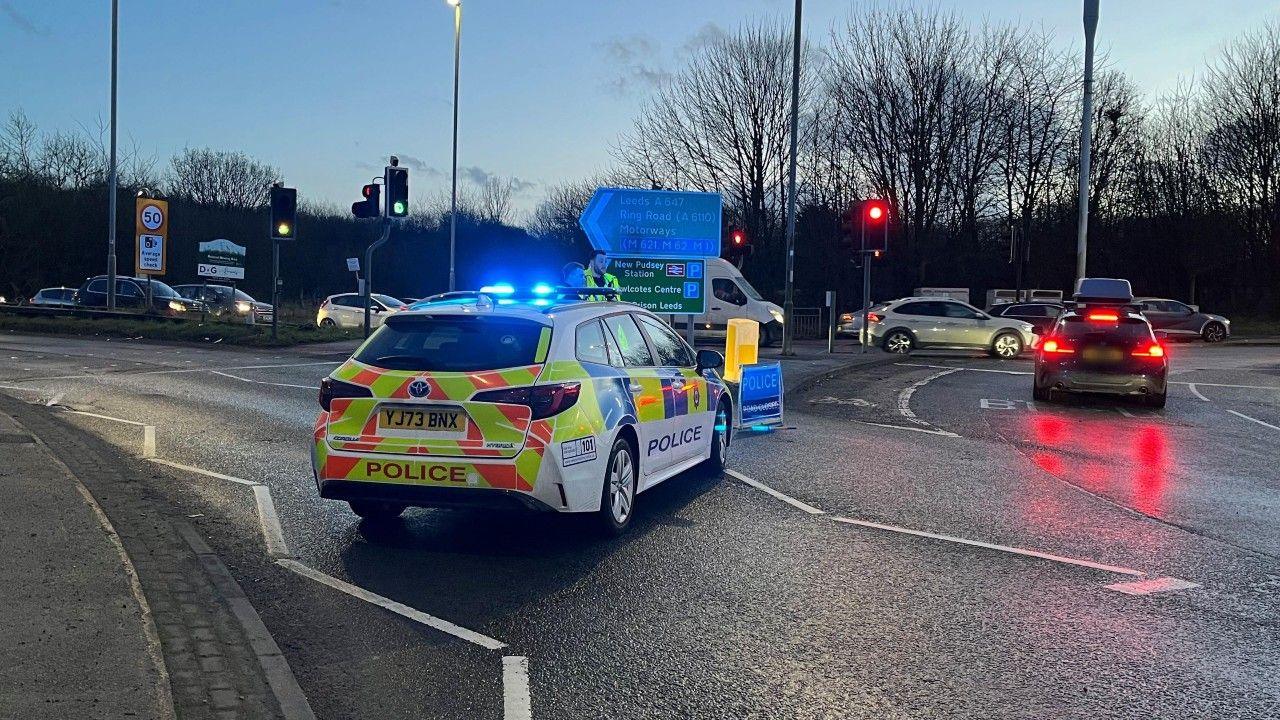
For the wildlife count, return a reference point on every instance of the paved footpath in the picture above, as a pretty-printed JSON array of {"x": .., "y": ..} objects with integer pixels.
[{"x": 119, "y": 609}]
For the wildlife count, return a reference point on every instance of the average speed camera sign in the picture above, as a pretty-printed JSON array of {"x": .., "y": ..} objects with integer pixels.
[{"x": 152, "y": 230}]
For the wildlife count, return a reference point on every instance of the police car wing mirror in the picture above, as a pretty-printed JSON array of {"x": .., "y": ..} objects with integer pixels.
[{"x": 710, "y": 360}]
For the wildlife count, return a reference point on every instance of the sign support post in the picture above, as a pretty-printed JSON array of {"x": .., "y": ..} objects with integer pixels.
[
  {"x": 368, "y": 270},
  {"x": 275, "y": 288}
]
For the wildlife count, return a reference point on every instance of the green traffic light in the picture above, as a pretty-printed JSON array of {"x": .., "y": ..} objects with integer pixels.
[{"x": 398, "y": 208}]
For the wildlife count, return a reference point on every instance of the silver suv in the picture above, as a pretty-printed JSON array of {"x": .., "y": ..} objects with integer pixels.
[{"x": 900, "y": 326}]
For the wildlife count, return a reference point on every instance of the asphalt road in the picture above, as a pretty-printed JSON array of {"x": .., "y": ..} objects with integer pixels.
[{"x": 953, "y": 559}]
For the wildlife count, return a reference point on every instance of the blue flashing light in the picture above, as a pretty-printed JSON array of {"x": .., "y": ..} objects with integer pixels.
[
  {"x": 541, "y": 302},
  {"x": 761, "y": 428},
  {"x": 543, "y": 289},
  {"x": 499, "y": 289},
  {"x": 506, "y": 301}
]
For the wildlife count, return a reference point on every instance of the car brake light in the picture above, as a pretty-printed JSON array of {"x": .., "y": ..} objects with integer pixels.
[
  {"x": 543, "y": 400},
  {"x": 331, "y": 389},
  {"x": 1103, "y": 317},
  {"x": 874, "y": 318},
  {"x": 1154, "y": 350},
  {"x": 1052, "y": 347}
]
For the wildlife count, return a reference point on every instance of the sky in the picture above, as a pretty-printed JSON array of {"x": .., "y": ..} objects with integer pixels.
[{"x": 325, "y": 90}]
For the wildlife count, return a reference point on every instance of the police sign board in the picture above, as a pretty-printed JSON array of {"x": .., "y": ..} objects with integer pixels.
[
  {"x": 760, "y": 395},
  {"x": 664, "y": 285},
  {"x": 658, "y": 223},
  {"x": 221, "y": 259},
  {"x": 151, "y": 225}
]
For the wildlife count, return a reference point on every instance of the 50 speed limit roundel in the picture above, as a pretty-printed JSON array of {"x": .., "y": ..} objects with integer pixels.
[{"x": 152, "y": 217}]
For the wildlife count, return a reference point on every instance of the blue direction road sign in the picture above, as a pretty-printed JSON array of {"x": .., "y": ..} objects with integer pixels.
[{"x": 665, "y": 223}]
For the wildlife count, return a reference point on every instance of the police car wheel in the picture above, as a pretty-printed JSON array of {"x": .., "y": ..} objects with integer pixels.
[
  {"x": 617, "y": 498},
  {"x": 720, "y": 439},
  {"x": 374, "y": 510}
]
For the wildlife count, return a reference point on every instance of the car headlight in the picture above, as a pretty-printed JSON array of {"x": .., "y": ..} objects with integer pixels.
[
  {"x": 777, "y": 315},
  {"x": 243, "y": 306},
  {"x": 176, "y": 306},
  {"x": 2, "y": 300}
]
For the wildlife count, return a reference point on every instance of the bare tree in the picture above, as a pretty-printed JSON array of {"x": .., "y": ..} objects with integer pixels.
[
  {"x": 723, "y": 124},
  {"x": 18, "y": 151},
  {"x": 220, "y": 178},
  {"x": 896, "y": 78},
  {"x": 493, "y": 203}
]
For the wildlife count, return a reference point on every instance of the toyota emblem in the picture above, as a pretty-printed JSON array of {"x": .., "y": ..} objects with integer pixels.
[{"x": 419, "y": 388}]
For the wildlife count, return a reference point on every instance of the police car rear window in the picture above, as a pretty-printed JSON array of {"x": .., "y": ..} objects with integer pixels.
[
  {"x": 452, "y": 344},
  {"x": 1127, "y": 328}
]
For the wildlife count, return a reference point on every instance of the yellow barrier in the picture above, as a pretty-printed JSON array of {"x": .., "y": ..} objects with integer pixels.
[{"x": 742, "y": 347}]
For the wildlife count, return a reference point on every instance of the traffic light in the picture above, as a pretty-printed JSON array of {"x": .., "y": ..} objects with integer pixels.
[
  {"x": 284, "y": 213},
  {"x": 370, "y": 206},
  {"x": 739, "y": 246},
  {"x": 397, "y": 191},
  {"x": 875, "y": 226}
]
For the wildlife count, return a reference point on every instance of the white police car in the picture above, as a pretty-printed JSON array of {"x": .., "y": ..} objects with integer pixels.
[{"x": 545, "y": 402}]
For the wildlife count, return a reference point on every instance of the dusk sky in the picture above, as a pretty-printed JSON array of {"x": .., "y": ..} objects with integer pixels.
[{"x": 325, "y": 90}]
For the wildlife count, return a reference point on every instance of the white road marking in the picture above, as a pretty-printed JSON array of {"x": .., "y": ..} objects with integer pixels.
[
  {"x": 106, "y": 417},
  {"x": 904, "y": 398},
  {"x": 1253, "y": 419},
  {"x": 175, "y": 371},
  {"x": 954, "y": 367},
  {"x": 1152, "y": 585},
  {"x": 263, "y": 382},
  {"x": 148, "y": 441},
  {"x": 54, "y": 400},
  {"x": 356, "y": 591},
  {"x": 1194, "y": 391},
  {"x": 1124, "y": 412},
  {"x": 929, "y": 431},
  {"x": 272, "y": 533},
  {"x": 201, "y": 471},
  {"x": 1226, "y": 385},
  {"x": 783, "y": 497},
  {"x": 992, "y": 546},
  {"x": 515, "y": 688}
]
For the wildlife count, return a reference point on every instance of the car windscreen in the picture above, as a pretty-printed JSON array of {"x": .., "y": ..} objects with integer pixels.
[
  {"x": 452, "y": 343},
  {"x": 242, "y": 295},
  {"x": 1078, "y": 328},
  {"x": 159, "y": 289},
  {"x": 387, "y": 300}
]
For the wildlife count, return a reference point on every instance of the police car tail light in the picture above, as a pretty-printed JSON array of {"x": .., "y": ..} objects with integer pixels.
[
  {"x": 1154, "y": 350},
  {"x": 331, "y": 389},
  {"x": 543, "y": 400}
]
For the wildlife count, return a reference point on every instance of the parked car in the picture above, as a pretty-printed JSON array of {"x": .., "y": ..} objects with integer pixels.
[
  {"x": 131, "y": 294},
  {"x": 347, "y": 310},
  {"x": 63, "y": 297},
  {"x": 901, "y": 326},
  {"x": 1176, "y": 319},
  {"x": 1041, "y": 315},
  {"x": 226, "y": 301}
]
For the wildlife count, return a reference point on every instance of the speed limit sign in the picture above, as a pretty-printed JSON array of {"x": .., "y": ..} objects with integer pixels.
[{"x": 151, "y": 230}]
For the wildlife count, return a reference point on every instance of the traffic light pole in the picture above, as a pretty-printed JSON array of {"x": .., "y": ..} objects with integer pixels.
[
  {"x": 275, "y": 289},
  {"x": 788, "y": 301},
  {"x": 866, "y": 284},
  {"x": 368, "y": 270}
]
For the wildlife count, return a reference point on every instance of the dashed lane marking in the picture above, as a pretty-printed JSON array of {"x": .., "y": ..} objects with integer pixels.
[
  {"x": 202, "y": 471},
  {"x": 770, "y": 491},
  {"x": 262, "y": 382},
  {"x": 1194, "y": 391},
  {"x": 515, "y": 688},
  {"x": 1152, "y": 585},
  {"x": 904, "y": 397},
  {"x": 272, "y": 533},
  {"x": 926, "y": 430},
  {"x": 107, "y": 417},
  {"x": 992, "y": 546},
  {"x": 1253, "y": 419},
  {"x": 969, "y": 369},
  {"x": 401, "y": 609}
]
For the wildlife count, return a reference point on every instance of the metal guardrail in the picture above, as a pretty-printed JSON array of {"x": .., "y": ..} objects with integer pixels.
[{"x": 808, "y": 324}]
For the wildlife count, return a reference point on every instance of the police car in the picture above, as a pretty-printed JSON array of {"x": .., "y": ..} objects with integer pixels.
[{"x": 546, "y": 402}]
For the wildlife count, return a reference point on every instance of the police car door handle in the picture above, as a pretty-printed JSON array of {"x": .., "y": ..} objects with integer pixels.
[
  {"x": 677, "y": 384},
  {"x": 636, "y": 388}
]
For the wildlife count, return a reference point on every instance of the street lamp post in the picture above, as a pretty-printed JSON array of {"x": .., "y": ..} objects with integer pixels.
[
  {"x": 1086, "y": 131},
  {"x": 112, "y": 180},
  {"x": 788, "y": 302},
  {"x": 453, "y": 199}
]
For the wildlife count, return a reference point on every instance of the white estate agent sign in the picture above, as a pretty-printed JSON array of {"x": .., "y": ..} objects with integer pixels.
[{"x": 221, "y": 259}]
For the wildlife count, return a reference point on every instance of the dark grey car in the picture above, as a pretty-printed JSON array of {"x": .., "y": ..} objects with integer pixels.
[
  {"x": 226, "y": 301},
  {"x": 1176, "y": 319}
]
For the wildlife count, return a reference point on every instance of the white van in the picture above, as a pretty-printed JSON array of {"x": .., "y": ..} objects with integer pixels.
[{"x": 729, "y": 295}]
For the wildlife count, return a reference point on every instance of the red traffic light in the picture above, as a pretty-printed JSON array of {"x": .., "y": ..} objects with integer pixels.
[
  {"x": 738, "y": 237},
  {"x": 369, "y": 190},
  {"x": 876, "y": 210}
]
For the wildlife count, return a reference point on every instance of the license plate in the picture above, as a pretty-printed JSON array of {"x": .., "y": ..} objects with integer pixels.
[
  {"x": 1103, "y": 355},
  {"x": 444, "y": 420}
]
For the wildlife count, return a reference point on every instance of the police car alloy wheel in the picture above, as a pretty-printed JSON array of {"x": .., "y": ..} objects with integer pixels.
[
  {"x": 1007, "y": 345},
  {"x": 899, "y": 342},
  {"x": 720, "y": 440},
  {"x": 618, "y": 498}
]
